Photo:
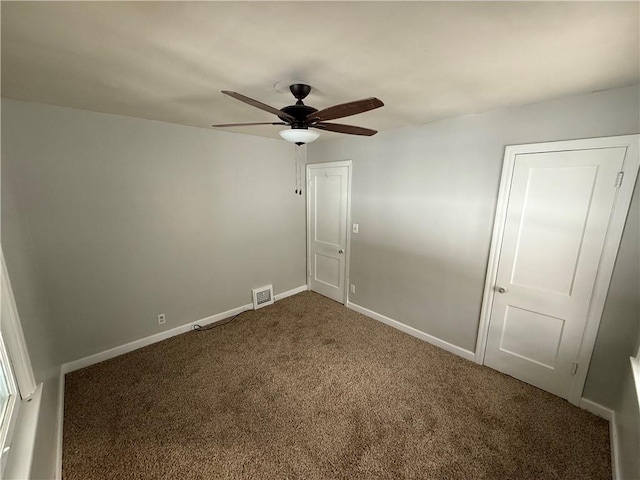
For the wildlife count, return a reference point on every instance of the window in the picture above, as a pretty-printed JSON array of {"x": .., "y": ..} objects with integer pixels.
[
  {"x": 9, "y": 404},
  {"x": 635, "y": 369},
  {"x": 16, "y": 376}
]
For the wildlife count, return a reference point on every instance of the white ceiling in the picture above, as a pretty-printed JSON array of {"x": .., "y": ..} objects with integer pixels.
[{"x": 168, "y": 61}]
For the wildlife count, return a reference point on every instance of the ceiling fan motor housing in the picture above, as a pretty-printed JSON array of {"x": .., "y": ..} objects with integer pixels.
[{"x": 300, "y": 113}]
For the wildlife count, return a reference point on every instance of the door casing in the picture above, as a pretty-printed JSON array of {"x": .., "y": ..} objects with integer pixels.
[
  {"x": 310, "y": 166},
  {"x": 609, "y": 252}
]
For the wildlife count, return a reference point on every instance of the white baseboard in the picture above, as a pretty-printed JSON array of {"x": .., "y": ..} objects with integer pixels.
[
  {"x": 293, "y": 291},
  {"x": 158, "y": 337},
  {"x": 615, "y": 447},
  {"x": 469, "y": 355},
  {"x": 60, "y": 426},
  {"x": 596, "y": 409},
  {"x": 143, "y": 342},
  {"x": 129, "y": 347}
]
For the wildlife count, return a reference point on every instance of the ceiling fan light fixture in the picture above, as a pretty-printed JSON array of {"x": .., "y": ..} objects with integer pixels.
[{"x": 299, "y": 135}]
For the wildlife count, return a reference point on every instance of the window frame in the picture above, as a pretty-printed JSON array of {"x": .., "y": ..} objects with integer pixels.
[
  {"x": 15, "y": 362},
  {"x": 9, "y": 416},
  {"x": 14, "y": 337}
]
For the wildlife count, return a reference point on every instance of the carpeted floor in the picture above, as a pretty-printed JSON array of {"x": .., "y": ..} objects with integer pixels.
[{"x": 307, "y": 389}]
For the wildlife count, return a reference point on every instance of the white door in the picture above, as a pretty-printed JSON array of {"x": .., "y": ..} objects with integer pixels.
[
  {"x": 555, "y": 229},
  {"x": 327, "y": 203}
]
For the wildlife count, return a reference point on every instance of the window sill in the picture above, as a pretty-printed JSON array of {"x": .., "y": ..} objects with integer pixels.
[
  {"x": 635, "y": 370},
  {"x": 21, "y": 453}
]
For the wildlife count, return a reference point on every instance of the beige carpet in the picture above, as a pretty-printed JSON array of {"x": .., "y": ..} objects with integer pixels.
[{"x": 307, "y": 389}]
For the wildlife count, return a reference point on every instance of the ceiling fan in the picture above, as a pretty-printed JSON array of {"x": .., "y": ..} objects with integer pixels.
[{"x": 301, "y": 117}]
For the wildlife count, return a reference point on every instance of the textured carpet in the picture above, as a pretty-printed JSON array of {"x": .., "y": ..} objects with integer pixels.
[{"x": 307, "y": 389}]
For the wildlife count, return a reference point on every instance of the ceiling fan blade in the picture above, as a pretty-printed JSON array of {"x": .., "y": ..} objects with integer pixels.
[
  {"x": 257, "y": 104},
  {"x": 349, "y": 129},
  {"x": 247, "y": 124},
  {"x": 345, "y": 110}
]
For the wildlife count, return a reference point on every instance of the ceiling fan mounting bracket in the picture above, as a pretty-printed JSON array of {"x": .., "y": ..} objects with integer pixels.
[{"x": 300, "y": 90}]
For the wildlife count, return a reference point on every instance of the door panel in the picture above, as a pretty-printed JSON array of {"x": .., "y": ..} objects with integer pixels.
[
  {"x": 327, "y": 270},
  {"x": 328, "y": 196},
  {"x": 328, "y": 199},
  {"x": 554, "y": 221},
  {"x": 531, "y": 336},
  {"x": 555, "y": 230}
]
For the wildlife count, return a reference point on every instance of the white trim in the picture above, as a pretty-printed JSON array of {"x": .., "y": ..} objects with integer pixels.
[
  {"x": 609, "y": 253},
  {"x": 114, "y": 352},
  {"x": 595, "y": 408},
  {"x": 494, "y": 254},
  {"x": 19, "y": 422},
  {"x": 347, "y": 259},
  {"x": 60, "y": 426},
  {"x": 635, "y": 373},
  {"x": 20, "y": 457},
  {"x": 11, "y": 416},
  {"x": 293, "y": 291},
  {"x": 143, "y": 342},
  {"x": 158, "y": 337},
  {"x": 14, "y": 338},
  {"x": 615, "y": 447},
  {"x": 469, "y": 355}
]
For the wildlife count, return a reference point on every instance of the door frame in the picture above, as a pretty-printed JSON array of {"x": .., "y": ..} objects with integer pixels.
[
  {"x": 347, "y": 258},
  {"x": 609, "y": 252}
]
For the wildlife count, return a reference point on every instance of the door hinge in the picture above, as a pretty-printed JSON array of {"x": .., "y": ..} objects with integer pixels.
[
  {"x": 574, "y": 368},
  {"x": 619, "y": 179}
]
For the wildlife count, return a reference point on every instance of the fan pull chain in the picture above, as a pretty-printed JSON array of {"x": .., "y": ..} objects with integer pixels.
[
  {"x": 295, "y": 168},
  {"x": 300, "y": 169},
  {"x": 298, "y": 160}
]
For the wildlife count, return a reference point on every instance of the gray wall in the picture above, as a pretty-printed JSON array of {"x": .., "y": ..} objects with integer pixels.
[
  {"x": 25, "y": 276},
  {"x": 624, "y": 313},
  {"x": 425, "y": 198},
  {"x": 35, "y": 318},
  {"x": 610, "y": 381},
  {"x": 108, "y": 221},
  {"x": 620, "y": 324},
  {"x": 131, "y": 218}
]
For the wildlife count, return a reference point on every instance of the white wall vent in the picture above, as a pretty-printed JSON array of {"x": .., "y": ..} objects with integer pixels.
[{"x": 262, "y": 296}]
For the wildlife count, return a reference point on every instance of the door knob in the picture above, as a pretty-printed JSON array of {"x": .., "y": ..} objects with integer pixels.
[
  {"x": 501, "y": 290},
  {"x": 341, "y": 251}
]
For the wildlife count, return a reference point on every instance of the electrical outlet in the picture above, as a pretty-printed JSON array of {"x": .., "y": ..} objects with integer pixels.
[
  {"x": 353, "y": 288},
  {"x": 161, "y": 319}
]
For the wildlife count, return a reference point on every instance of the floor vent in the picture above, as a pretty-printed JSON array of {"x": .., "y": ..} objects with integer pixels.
[{"x": 262, "y": 296}]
